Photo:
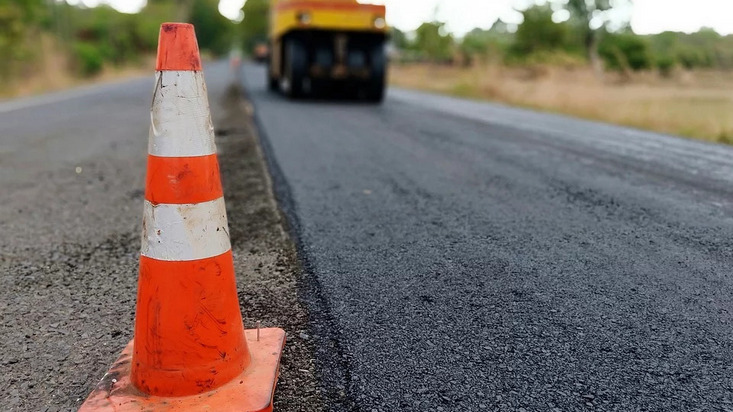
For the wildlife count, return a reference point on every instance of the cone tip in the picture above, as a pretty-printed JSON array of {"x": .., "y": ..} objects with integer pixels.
[{"x": 177, "y": 47}]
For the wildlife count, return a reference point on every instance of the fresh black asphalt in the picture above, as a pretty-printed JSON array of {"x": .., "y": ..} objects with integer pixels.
[{"x": 466, "y": 256}]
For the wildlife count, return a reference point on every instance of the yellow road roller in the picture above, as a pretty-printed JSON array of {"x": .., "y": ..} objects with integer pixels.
[{"x": 322, "y": 47}]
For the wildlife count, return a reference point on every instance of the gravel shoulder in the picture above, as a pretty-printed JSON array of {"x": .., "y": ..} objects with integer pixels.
[{"x": 264, "y": 256}]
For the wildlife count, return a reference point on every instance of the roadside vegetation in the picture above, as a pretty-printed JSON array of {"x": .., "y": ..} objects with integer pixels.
[
  {"x": 670, "y": 82},
  {"x": 47, "y": 44}
]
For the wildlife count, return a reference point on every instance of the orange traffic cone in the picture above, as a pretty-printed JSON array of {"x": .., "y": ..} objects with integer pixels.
[{"x": 190, "y": 350}]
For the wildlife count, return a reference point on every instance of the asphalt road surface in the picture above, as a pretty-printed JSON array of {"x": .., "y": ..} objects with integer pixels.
[
  {"x": 466, "y": 256},
  {"x": 72, "y": 167},
  {"x": 457, "y": 256},
  {"x": 71, "y": 178}
]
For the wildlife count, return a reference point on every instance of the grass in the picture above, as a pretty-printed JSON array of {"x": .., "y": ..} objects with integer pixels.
[{"x": 692, "y": 104}]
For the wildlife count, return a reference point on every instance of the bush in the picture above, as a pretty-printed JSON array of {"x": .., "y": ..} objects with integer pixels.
[
  {"x": 665, "y": 65},
  {"x": 625, "y": 51},
  {"x": 538, "y": 33},
  {"x": 433, "y": 42},
  {"x": 89, "y": 58},
  {"x": 691, "y": 57},
  {"x": 213, "y": 30},
  {"x": 483, "y": 45}
]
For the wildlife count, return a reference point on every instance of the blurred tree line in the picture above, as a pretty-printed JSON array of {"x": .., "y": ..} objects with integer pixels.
[
  {"x": 91, "y": 38},
  {"x": 566, "y": 32},
  {"x": 571, "y": 32}
]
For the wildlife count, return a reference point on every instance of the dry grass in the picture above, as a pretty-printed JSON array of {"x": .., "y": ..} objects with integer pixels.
[{"x": 698, "y": 105}]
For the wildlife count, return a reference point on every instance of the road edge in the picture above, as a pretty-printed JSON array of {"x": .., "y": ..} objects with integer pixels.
[{"x": 332, "y": 362}]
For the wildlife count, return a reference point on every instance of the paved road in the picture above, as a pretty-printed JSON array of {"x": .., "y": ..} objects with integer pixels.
[{"x": 469, "y": 256}]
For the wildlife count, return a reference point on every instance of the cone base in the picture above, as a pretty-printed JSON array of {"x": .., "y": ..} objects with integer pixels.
[{"x": 251, "y": 391}]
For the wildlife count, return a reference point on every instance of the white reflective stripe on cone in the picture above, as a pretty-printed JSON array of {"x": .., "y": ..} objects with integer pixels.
[
  {"x": 185, "y": 232},
  {"x": 180, "y": 120}
]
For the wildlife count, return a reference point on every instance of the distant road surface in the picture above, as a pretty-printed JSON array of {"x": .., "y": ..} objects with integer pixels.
[{"x": 467, "y": 256}]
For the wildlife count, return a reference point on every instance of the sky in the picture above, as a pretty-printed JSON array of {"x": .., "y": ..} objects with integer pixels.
[{"x": 647, "y": 16}]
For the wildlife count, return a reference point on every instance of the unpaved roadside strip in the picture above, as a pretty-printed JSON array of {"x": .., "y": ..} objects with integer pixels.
[{"x": 265, "y": 259}]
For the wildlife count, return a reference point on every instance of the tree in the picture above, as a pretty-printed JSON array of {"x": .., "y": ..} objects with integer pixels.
[
  {"x": 398, "y": 38},
  {"x": 625, "y": 52},
  {"x": 592, "y": 17},
  {"x": 432, "y": 40},
  {"x": 538, "y": 32},
  {"x": 475, "y": 44},
  {"x": 18, "y": 20},
  {"x": 500, "y": 27},
  {"x": 480, "y": 44},
  {"x": 213, "y": 30},
  {"x": 181, "y": 8},
  {"x": 254, "y": 25}
]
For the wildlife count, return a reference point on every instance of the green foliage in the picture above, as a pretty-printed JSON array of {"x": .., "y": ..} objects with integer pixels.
[
  {"x": 665, "y": 64},
  {"x": 625, "y": 51},
  {"x": 476, "y": 43},
  {"x": 582, "y": 14},
  {"x": 703, "y": 49},
  {"x": 482, "y": 45},
  {"x": 16, "y": 27},
  {"x": 89, "y": 58},
  {"x": 254, "y": 25},
  {"x": 432, "y": 40},
  {"x": 213, "y": 31},
  {"x": 111, "y": 33},
  {"x": 584, "y": 10},
  {"x": 175, "y": 10},
  {"x": 12, "y": 29},
  {"x": 398, "y": 38},
  {"x": 99, "y": 36},
  {"x": 538, "y": 33},
  {"x": 102, "y": 36}
]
